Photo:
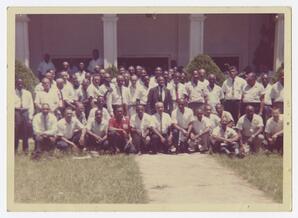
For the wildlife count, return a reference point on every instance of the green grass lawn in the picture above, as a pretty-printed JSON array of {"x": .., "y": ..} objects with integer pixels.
[
  {"x": 264, "y": 172},
  {"x": 104, "y": 179}
]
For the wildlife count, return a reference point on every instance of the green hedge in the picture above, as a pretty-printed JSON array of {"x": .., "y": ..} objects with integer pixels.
[
  {"x": 206, "y": 62},
  {"x": 26, "y": 74}
]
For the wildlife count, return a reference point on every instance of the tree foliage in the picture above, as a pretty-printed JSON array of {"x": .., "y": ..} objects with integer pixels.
[{"x": 26, "y": 74}]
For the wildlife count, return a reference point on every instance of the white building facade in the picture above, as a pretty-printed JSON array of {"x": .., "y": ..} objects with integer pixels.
[{"x": 172, "y": 38}]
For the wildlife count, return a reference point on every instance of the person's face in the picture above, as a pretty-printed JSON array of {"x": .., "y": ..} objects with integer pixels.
[
  {"x": 122, "y": 70},
  {"x": 140, "y": 110},
  {"x": 158, "y": 72},
  {"x": 161, "y": 81},
  {"x": 182, "y": 77},
  {"x": 19, "y": 84},
  {"x": 219, "y": 109},
  {"x": 195, "y": 75},
  {"x": 45, "y": 110},
  {"x": 53, "y": 73},
  {"x": 139, "y": 70},
  {"x": 68, "y": 115},
  {"x": 233, "y": 73},
  {"x": 224, "y": 125},
  {"x": 251, "y": 80},
  {"x": 88, "y": 76},
  {"x": 212, "y": 80},
  {"x": 97, "y": 69},
  {"x": 265, "y": 79},
  {"x": 80, "y": 108},
  {"x": 208, "y": 111},
  {"x": 160, "y": 108},
  {"x": 100, "y": 101},
  {"x": 60, "y": 85},
  {"x": 81, "y": 66},
  {"x": 120, "y": 81},
  {"x": 181, "y": 105},
  {"x": 65, "y": 76},
  {"x": 200, "y": 114},
  {"x": 65, "y": 65},
  {"x": 134, "y": 80},
  {"x": 249, "y": 112},
  {"x": 275, "y": 114},
  {"x": 119, "y": 113},
  {"x": 176, "y": 78},
  {"x": 75, "y": 81},
  {"x": 98, "y": 116},
  {"x": 107, "y": 78},
  {"x": 166, "y": 75},
  {"x": 131, "y": 70},
  {"x": 281, "y": 76},
  {"x": 96, "y": 80},
  {"x": 102, "y": 72},
  {"x": 143, "y": 73},
  {"x": 85, "y": 84},
  {"x": 46, "y": 85},
  {"x": 49, "y": 76},
  {"x": 202, "y": 74},
  {"x": 146, "y": 80},
  {"x": 126, "y": 77}
]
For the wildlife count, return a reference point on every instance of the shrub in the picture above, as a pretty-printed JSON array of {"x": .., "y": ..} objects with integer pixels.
[
  {"x": 26, "y": 74},
  {"x": 112, "y": 70},
  {"x": 276, "y": 74},
  {"x": 206, "y": 62}
]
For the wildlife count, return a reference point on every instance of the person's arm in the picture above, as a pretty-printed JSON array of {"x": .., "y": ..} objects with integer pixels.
[
  {"x": 52, "y": 127},
  {"x": 150, "y": 105},
  {"x": 279, "y": 133},
  {"x": 218, "y": 138},
  {"x": 67, "y": 141},
  {"x": 37, "y": 102},
  {"x": 31, "y": 107}
]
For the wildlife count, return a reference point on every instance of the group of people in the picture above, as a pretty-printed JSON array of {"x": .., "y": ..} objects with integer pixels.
[{"x": 88, "y": 110}]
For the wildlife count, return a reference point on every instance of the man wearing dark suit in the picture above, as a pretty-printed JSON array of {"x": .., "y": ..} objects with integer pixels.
[{"x": 160, "y": 94}]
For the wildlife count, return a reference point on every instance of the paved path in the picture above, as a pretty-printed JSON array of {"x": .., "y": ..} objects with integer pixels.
[{"x": 195, "y": 178}]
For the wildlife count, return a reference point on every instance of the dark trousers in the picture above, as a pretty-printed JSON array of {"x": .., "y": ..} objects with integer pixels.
[
  {"x": 255, "y": 105},
  {"x": 227, "y": 148},
  {"x": 181, "y": 145},
  {"x": 23, "y": 128},
  {"x": 62, "y": 145},
  {"x": 46, "y": 143},
  {"x": 195, "y": 105},
  {"x": 278, "y": 145},
  {"x": 139, "y": 143},
  {"x": 157, "y": 146},
  {"x": 233, "y": 106},
  {"x": 92, "y": 144},
  {"x": 279, "y": 105},
  {"x": 117, "y": 141}
]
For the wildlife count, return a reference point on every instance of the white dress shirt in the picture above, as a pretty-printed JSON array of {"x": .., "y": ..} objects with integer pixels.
[
  {"x": 277, "y": 92},
  {"x": 142, "y": 94},
  {"x": 44, "y": 124},
  {"x": 177, "y": 90},
  {"x": 267, "y": 97},
  {"x": 200, "y": 126},
  {"x": 182, "y": 119},
  {"x": 214, "y": 96},
  {"x": 132, "y": 91},
  {"x": 162, "y": 125},
  {"x": 254, "y": 93},
  {"x": 214, "y": 120},
  {"x": 229, "y": 133},
  {"x": 249, "y": 127},
  {"x": 66, "y": 129},
  {"x": 100, "y": 129},
  {"x": 80, "y": 75},
  {"x": 51, "y": 97},
  {"x": 143, "y": 124},
  {"x": 23, "y": 99},
  {"x": 93, "y": 91},
  {"x": 233, "y": 90},
  {"x": 197, "y": 92},
  {"x": 273, "y": 126},
  {"x": 152, "y": 82},
  {"x": 93, "y": 63},
  {"x": 39, "y": 87},
  {"x": 117, "y": 97},
  {"x": 105, "y": 114}
]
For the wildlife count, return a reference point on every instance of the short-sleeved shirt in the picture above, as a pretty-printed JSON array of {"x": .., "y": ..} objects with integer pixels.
[
  {"x": 248, "y": 127},
  {"x": 227, "y": 134},
  {"x": 51, "y": 97},
  {"x": 233, "y": 90},
  {"x": 214, "y": 120},
  {"x": 252, "y": 94},
  {"x": 273, "y": 126},
  {"x": 177, "y": 90},
  {"x": 93, "y": 91},
  {"x": 267, "y": 97},
  {"x": 66, "y": 129},
  {"x": 105, "y": 114},
  {"x": 183, "y": 119},
  {"x": 141, "y": 124},
  {"x": 122, "y": 124},
  {"x": 277, "y": 92},
  {"x": 99, "y": 129},
  {"x": 142, "y": 93},
  {"x": 197, "y": 92},
  {"x": 162, "y": 125},
  {"x": 199, "y": 126},
  {"x": 227, "y": 115},
  {"x": 214, "y": 95}
]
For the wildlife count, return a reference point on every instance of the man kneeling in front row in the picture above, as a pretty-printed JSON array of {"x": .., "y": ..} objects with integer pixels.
[{"x": 225, "y": 139}]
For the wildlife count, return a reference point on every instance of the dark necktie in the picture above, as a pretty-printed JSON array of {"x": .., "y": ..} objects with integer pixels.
[
  {"x": 45, "y": 123},
  {"x": 21, "y": 99},
  {"x": 160, "y": 94},
  {"x": 120, "y": 89},
  {"x": 176, "y": 91}
]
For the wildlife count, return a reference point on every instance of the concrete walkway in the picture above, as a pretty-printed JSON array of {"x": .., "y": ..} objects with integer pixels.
[{"x": 195, "y": 178}]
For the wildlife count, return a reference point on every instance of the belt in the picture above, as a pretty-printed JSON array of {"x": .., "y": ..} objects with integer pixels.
[{"x": 21, "y": 109}]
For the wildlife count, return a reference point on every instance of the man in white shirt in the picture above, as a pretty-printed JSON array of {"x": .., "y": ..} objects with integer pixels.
[
  {"x": 49, "y": 96},
  {"x": 202, "y": 76},
  {"x": 97, "y": 132},
  {"x": 197, "y": 92},
  {"x": 250, "y": 127},
  {"x": 106, "y": 88},
  {"x": 221, "y": 113},
  {"x": 267, "y": 97},
  {"x": 213, "y": 118},
  {"x": 277, "y": 92},
  {"x": 274, "y": 131},
  {"x": 93, "y": 90},
  {"x": 232, "y": 89},
  {"x": 44, "y": 130},
  {"x": 199, "y": 138},
  {"x": 96, "y": 60},
  {"x": 44, "y": 66},
  {"x": 253, "y": 94},
  {"x": 24, "y": 110},
  {"x": 81, "y": 73},
  {"x": 82, "y": 96},
  {"x": 65, "y": 76},
  {"x": 140, "y": 123},
  {"x": 119, "y": 96},
  {"x": 142, "y": 92},
  {"x": 66, "y": 96},
  {"x": 71, "y": 132},
  {"x": 48, "y": 75},
  {"x": 80, "y": 112},
  {"x": 225, "y": 139},
  {"x": 132, "y": 91},
  {"x": 177, "y": 89},
  {"x": 153, "y": 80},
  {"x": 99, "y": 106},
  {"x": 182, "y": 118},
  {"x": 215, "y": 94},
  {"x": 161, "y": 137}
]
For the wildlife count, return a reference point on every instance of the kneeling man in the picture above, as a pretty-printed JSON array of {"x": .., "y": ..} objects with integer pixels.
[{"x": 71, "y": 132}]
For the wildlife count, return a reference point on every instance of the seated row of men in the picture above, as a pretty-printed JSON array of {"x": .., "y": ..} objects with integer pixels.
[{"x": 183, "y": 131}]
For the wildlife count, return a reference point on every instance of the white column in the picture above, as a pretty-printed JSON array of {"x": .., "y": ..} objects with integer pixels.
[
  {"x": 22, "y": 38},
  {"x": 279, "y": 41},
  {"x": 110, "y": 39},
  {"x": 196, "y": 35}
]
